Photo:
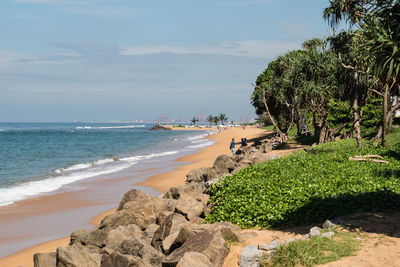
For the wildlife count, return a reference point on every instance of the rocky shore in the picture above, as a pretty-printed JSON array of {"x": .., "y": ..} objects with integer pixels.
[{"x": 163, "y": 231}]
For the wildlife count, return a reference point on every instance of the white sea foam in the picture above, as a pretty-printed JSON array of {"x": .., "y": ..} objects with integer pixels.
[
  {"x": 70, "y": 175},
  {"x": 1, "y": 130},
  {"x": 149, "y": 156},
  {"x": 203, "y": 144},
  {"x": 109, "y": 127},
  {"x": 33, "y": 188},
  {"x": 196, "y": 137}
]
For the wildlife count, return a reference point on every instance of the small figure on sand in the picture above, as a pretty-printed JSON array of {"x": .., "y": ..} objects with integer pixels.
[
  {"x": 244, "y": 142},
  {"x": 232, "y": 147}
]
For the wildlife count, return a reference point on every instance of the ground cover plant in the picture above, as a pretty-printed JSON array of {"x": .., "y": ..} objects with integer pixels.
[
  {"x": 317, "y": 250},
  {"x": 310, "y": 186}
]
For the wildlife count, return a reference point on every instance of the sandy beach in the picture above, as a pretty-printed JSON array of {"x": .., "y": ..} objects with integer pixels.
[{"x": 161, "y": 182}]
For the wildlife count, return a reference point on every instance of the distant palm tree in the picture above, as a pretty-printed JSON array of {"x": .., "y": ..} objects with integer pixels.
[
  {"x": 194, "y": 120},
  {"x": 216, "y": 120},
  {"x": 223, "y": 118},
  {"x": 210, "y": 119}
]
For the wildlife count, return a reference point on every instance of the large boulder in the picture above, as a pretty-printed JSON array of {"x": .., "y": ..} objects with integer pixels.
[
  {"x": 133, "y": 195},
  {"x": 149, "y": 232},
  {"x": 194, "y": 259},
  {"x": 224, "y": 164},
  {"x": 77, "y": 256},
  {"x": 125, "y": 217},
  {"x": 121, "y": 233},
  {"x": 201, "y": 175},
  {"x": 117, "y": 259},
  {"x": 139, "y": 248},
  {"x": 173, "y": 223},
  {"x": 191, "y": 205},
  {"x": 44, "y": 259},
  {"x": 176, "y": 239},
  {"x": 211, "y": 244},
  {"x": 250, "y": 257}
]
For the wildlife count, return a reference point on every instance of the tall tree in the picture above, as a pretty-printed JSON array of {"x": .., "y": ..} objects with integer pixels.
[
  {"x": 210, "y": 119},
  {"x": 223, "y": 118}
]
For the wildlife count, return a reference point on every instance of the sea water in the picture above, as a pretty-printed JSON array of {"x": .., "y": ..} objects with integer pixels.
[{"x": 45, "y": 158}]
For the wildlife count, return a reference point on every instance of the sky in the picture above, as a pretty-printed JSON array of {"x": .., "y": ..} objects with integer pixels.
[{"x": 126, "y": 60}]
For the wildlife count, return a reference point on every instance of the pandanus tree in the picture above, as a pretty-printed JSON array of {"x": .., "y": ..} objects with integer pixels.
[{"x": 378, "y": 23}]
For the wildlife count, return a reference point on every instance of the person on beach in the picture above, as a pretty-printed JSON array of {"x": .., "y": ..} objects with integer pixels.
[
  {"x": 242, "y": 142},
  {"x": 232, "y": 147},
  {"x": 245, "y": 142}
]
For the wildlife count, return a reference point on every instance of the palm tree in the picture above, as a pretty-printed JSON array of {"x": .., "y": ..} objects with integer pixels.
[
  {"x": 216, "y": 120},
  {"x": 194, "y": 120},
  {"x": 210, "y": 119},
  {"x": 223, "y": 118}
]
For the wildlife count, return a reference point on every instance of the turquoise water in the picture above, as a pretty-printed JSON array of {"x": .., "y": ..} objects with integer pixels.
[{"x": 40, "y": 158}]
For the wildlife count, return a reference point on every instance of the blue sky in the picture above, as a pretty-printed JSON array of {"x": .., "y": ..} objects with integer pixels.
[{"x": 97, "y": 60}]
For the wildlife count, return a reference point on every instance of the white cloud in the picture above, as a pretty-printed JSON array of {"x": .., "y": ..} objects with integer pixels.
[{"x": 250, "y": 48}]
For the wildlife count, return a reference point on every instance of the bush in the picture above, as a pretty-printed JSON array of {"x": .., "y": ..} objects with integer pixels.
[{"x": 308, "y": 187}]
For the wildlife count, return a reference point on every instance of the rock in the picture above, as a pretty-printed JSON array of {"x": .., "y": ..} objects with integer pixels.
[
  {"x": 117, "y": 259},
  {"x": 133, "y": 195},
  {"x": 173, "y": 223},
  {"x": 290, "y": 240},
  {"x": 328, "y": 234},
  {"x": 79, "y": 236},
  {"x": 250, "y": 257},
  {"x": 315, "y": 231},
  {"x": 211, "y": 244},
  {"x": 159, "y": 127},
  {"x": 328, "y": 224},
  {"x": 139, "y": 248},
  {"x": 74, "y": 256},
  {"x": 121, "y": 233},
  {"x": 224, "y": 164},
  {"x": 96, "y": 238},
  {"x": 175, "y": 240},
  {"x": 201, "y": 175},
  {"x": 259, "y": 157},
  {"x": 246, "y": 150},
  {"x": 149, "y": 232},
  {"x": 194, "y": 259},
  {"x": 273, "y": 245},
  {"x": 248, "y": 235},
  {"x": 307, "y": 236},
  {"x": 44, "y": 259},
  {"x": 125, "y": 217},
  {"x": 229, "y": 234},
  {"x": 191, "y": 205},
  {"x": 177, "y": 191}
]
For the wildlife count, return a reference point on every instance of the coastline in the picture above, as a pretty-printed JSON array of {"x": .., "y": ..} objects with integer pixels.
[{"x": 161, "y": 182}]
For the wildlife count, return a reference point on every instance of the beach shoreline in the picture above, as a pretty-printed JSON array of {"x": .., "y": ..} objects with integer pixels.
[{"x": 162, "y": 182}]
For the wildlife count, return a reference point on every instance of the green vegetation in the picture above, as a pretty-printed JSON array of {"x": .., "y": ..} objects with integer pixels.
[
  {"x": 340, "y": 85},
  {"x": 310, "y": 187},
  {"x": 317, "y": 250}
]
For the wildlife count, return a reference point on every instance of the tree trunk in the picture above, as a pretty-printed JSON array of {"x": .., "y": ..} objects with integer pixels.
[
  {"x": 385, "y": 115},
  {"x": 356, "y": 110}
]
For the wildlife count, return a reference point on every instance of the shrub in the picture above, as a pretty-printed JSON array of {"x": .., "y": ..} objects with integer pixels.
[{"x": 308, "y": 187}]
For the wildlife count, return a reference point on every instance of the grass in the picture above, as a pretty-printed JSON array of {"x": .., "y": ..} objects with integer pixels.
[
  {"x": 310, "y": 187},
  {"x": 316, "y": 250}
]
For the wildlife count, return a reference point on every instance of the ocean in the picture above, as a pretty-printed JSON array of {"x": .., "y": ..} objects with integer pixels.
[{"x": 45, "y": 158}]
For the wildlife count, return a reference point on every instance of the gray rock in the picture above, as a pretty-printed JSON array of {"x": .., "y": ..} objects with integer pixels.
[
  {"x": 117, "y": 259},
  {"x": 307, "y": 236},
  {"x": 74, "y": 256},
  {"x": 139, "y": 248},
  {"x": 143, "y": 218},
  {"x": 224, "y": 164},
  {"x": 211, "y": 244},
  {"x": 328, "y": 224},
  {"x": 315, "y": 231},
  {"x": 175, "y": 240},
  {"x": 191, "y": 205},
  {"x": 328, "y": 234},
  {"x": 44, "y": 259},
  {"x": 201, "y": 175},
  {"x": 194, "y": 259},
  {"x": 149, "y": 232},
  {"x": 273, "y": 245},
  {"x": 118, "y": 235},
  {"x": 133, "y": 195},
  {"x": 250, "y": 257},
  {"x": 173, "y": 223}
]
